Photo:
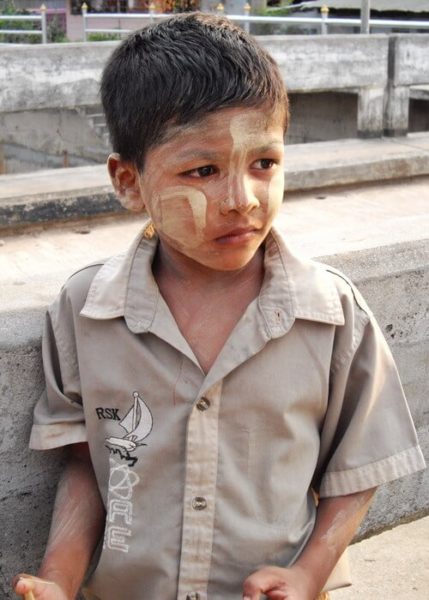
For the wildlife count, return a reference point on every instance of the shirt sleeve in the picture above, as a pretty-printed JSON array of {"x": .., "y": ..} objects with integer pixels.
[
  {"x": 58, "y": 415},
  {"x": 368, "y": 436}
]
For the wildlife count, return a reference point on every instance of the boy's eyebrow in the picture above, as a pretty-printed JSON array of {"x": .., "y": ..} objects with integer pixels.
[
  {"x": 196, "y": 155},
  {"x": 208, "y": 155},
  {"x": 267, "y": 147}
]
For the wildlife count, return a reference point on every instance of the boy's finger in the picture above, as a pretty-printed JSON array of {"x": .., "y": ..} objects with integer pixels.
[
  {"x": 251, "y": 589},
  {"x": 265, "y": 581},
  {"x": 29, "y": 582},
  {"x": 23, "y": 584}
]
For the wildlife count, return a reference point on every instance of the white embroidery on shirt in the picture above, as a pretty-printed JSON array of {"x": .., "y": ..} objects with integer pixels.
[
  {"x": 119, "y": 506},
  {"x": 138, "y": 424}
]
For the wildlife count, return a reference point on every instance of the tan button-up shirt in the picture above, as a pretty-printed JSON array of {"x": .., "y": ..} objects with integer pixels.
[{"x": 205, "y": 477}]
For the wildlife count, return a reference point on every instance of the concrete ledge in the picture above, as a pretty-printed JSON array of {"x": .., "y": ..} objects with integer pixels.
[
  {"x": 347, "y": 162},
  {"x": 377, "y": 234},
  {"x": 419, "y": 92},
  {"x": 68, "y": 75},
  {"x": 61, "y": 194}
]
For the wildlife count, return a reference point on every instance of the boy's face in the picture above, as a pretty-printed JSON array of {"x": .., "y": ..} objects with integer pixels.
[{"x": 214, "y": 187}]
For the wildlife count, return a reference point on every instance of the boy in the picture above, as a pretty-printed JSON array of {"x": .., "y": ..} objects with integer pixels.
[{"x": 209, "y": 383}]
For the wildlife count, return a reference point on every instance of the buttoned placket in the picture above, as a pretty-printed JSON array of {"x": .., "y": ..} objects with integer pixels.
[{"x": 199, "y": 496}]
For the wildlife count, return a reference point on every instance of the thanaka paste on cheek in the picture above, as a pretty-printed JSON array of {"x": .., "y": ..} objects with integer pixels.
[
  {"x": 276, "y": 189},
  {"x": 173, "y": 206},
  {"x": 178, "y": 212}
]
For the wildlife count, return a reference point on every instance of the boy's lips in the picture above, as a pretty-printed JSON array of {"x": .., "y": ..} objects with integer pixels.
[{"x": 237, "y": 235}]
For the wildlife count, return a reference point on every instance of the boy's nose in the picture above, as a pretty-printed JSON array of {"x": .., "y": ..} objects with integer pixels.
[{"x": 240, "y": 196}]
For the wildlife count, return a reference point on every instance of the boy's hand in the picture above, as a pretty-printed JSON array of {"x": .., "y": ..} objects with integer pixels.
[
  {"x": 278, "y": 584},
  {"x": 30, "y": 587}
]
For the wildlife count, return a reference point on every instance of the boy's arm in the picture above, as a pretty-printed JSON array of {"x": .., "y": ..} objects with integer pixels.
[
  {"x": 77, "y": 525},
  {"x": 336, "y": 523}
]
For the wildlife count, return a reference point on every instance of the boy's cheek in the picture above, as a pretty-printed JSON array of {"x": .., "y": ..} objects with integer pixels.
[
  {"x": 181, "y": 214},
  {"x": 276, "y": 192}
]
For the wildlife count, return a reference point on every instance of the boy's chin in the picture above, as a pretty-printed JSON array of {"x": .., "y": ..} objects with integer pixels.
[
  {"x": 224, "y": 260},
  {"x": 225, "y": 263}
]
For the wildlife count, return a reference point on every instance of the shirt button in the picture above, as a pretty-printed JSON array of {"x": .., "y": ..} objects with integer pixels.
[
  {"x": 199, "y": 503},
  {"x": 203, "y": 404}
]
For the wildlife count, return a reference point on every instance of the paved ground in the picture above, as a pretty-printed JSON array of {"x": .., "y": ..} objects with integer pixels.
[{"x": 391, "y": 566}]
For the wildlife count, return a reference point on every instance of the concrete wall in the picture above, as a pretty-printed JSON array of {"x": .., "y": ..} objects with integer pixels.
[
  {"x": 322, "y": 116},
  {"x": 28, "y": 479},
  {"x": 64, "y": 76},
  {"x": 67, "y": 75},
  {"x": 49, "y": 138},
  {"x": 408, "y": 66},
  {"x": 50, "y": 76},
  {"x": 337, "y": 62},
  {"x": 395, "y": 282},
  {"x": 338, "y": 85}
]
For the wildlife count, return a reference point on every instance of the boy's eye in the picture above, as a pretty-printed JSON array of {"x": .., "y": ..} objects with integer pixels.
[
  {"x": 264, "y": 163},
  {"x": 205, "y": 171}
]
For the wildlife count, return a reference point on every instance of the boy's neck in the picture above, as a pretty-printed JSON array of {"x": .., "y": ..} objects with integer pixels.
[{"x": 207, "y": 304}]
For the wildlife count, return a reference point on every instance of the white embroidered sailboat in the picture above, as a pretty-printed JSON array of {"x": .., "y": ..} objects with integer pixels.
[{"x": 137, "y": 423}]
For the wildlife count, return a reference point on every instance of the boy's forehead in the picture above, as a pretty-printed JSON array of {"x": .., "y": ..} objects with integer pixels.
[{"x": 229, "y": 122}]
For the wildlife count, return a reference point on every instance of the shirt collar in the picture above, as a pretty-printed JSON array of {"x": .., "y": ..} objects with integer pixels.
[
  {"x": 293, "y": 288},
  {"x": 296, "y": 288}
]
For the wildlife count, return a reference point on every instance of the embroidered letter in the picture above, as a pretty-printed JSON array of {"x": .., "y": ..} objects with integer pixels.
[{"x": 120, "y": 507}]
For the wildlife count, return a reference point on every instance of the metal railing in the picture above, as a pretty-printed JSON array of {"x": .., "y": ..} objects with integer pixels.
[
  {"x": 152, "y": 17},
  {"x": 322, "y": 22},
  {"x": 43, "y": 32}
]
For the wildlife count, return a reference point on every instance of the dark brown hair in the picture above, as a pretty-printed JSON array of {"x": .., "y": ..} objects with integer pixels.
[{"x": 176, "y": 71}]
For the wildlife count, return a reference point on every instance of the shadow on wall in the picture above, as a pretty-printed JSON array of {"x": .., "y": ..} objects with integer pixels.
[
  {"x": 419, "y": 115},
  {"x": 322, "y": 117}
]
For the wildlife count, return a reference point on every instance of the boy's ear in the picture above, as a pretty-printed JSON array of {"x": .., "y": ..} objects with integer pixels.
[{"x": 125, "y": 179}]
